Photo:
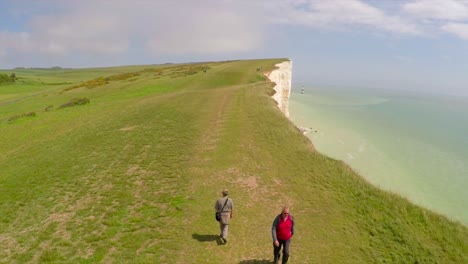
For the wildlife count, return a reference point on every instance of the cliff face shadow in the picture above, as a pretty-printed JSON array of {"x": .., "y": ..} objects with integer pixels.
[
  {"x": 256, "y": 261},
  {"x": 207, "y": 238}
]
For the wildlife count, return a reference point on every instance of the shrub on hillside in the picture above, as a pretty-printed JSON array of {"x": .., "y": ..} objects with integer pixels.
[
  {"x": 5, "y": 78},
  {"x": 176, "y": 72},
  {"x": 89, "y": 84},
  {"x": 183, "y": 71},
  {"x": 151, "y": 70},
  {"x": 103, "y": 80},
  {"x": 75, "y": 101},
  {"x": 16, "y": 117},
  {"x": 122, "y": 76}
]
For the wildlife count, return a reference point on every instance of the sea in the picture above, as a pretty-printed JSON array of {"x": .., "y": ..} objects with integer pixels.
[{"x": 412, "y": 144}]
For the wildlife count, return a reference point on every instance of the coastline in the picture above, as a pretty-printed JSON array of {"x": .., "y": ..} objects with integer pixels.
[
  {"x": 390, "y": 156},
  {"x": 282, "y": 77},
  {"x": 282, "y": 95}
]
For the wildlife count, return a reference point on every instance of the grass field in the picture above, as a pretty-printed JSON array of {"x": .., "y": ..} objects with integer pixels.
[{"x": 132, "y": 176}]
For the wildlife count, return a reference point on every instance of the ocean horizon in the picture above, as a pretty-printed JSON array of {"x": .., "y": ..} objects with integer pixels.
[{"x": 411, "y": 144}]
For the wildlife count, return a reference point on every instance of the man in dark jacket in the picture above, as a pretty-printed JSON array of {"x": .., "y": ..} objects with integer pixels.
[{"x": 282, "y": 231}]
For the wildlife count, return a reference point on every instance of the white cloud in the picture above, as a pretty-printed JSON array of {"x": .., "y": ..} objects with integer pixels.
[
  {"x": 105, "y": 29},
  {"x": 449, "y": 16},
  {"x": 459, "y": 29},
  {"x": 79, "y": 32},
  {"x": 210, "y": 29},
  {"x": 343, "y": 14},
  {"x": 17, "y": 41},
  {"x": 183, "y": 27},
  {"x": 162, "y": 27},
  {"x": 437, "y": 9}
]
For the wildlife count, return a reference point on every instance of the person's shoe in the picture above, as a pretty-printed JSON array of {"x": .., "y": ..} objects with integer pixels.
[{"x": 224, "y": 239}]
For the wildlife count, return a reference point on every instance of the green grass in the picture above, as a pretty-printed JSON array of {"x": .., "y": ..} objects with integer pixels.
[{"x": 132, "y": 176}]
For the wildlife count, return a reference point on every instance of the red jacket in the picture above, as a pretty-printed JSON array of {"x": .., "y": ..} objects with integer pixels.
[{"x": 282, "y": 229}]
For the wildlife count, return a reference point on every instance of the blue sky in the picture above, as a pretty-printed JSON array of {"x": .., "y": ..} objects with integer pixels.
[{"x": 412, "y": 45}]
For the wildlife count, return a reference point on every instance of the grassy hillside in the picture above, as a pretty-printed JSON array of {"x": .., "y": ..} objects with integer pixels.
[{"x": 132, "y": 176}]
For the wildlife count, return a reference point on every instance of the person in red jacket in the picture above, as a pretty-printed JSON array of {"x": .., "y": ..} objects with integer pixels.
[{"x": 282, "y": 231}]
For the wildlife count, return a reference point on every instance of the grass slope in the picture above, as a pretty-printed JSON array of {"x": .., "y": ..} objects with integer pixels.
[{"x": 132, "y": 176}]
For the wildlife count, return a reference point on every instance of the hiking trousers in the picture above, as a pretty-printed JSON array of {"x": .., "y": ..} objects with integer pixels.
[
  {"x": 224, "y": 224},
  {"x": 276, "y": 251}
]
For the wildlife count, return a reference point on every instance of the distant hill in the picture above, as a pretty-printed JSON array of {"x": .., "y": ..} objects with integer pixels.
[{"x": 42, "y": 68}]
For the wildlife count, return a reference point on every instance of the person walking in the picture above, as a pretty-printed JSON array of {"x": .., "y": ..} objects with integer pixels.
[
  {"x": 282, "y": 230},
  {"x": 225, "y": 206}
]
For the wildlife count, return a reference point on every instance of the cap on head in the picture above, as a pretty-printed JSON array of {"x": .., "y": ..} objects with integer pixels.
[{"x": 225, "y": 192}]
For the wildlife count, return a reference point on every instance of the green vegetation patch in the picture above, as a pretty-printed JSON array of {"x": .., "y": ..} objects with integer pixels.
[
  {"x": 74, "y": 102},
  {"x": 5, "y": 78},
  {"x": 16, "y": 117},
  {"x": 172, "y": 72},
  {"x": 104, "y": 80}
]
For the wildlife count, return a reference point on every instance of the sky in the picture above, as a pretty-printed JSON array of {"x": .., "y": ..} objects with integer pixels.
[{"x": 419, "y": 45}]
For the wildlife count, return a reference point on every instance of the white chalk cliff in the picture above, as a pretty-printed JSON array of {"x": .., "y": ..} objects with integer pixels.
[{"x": 282, "y": 77}]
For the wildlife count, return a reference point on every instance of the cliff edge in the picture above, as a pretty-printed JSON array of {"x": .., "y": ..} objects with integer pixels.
[{"x": 282, "y": 77}]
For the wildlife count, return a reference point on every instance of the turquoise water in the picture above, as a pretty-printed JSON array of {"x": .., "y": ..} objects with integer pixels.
[{"x": 411, "y": 144}]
